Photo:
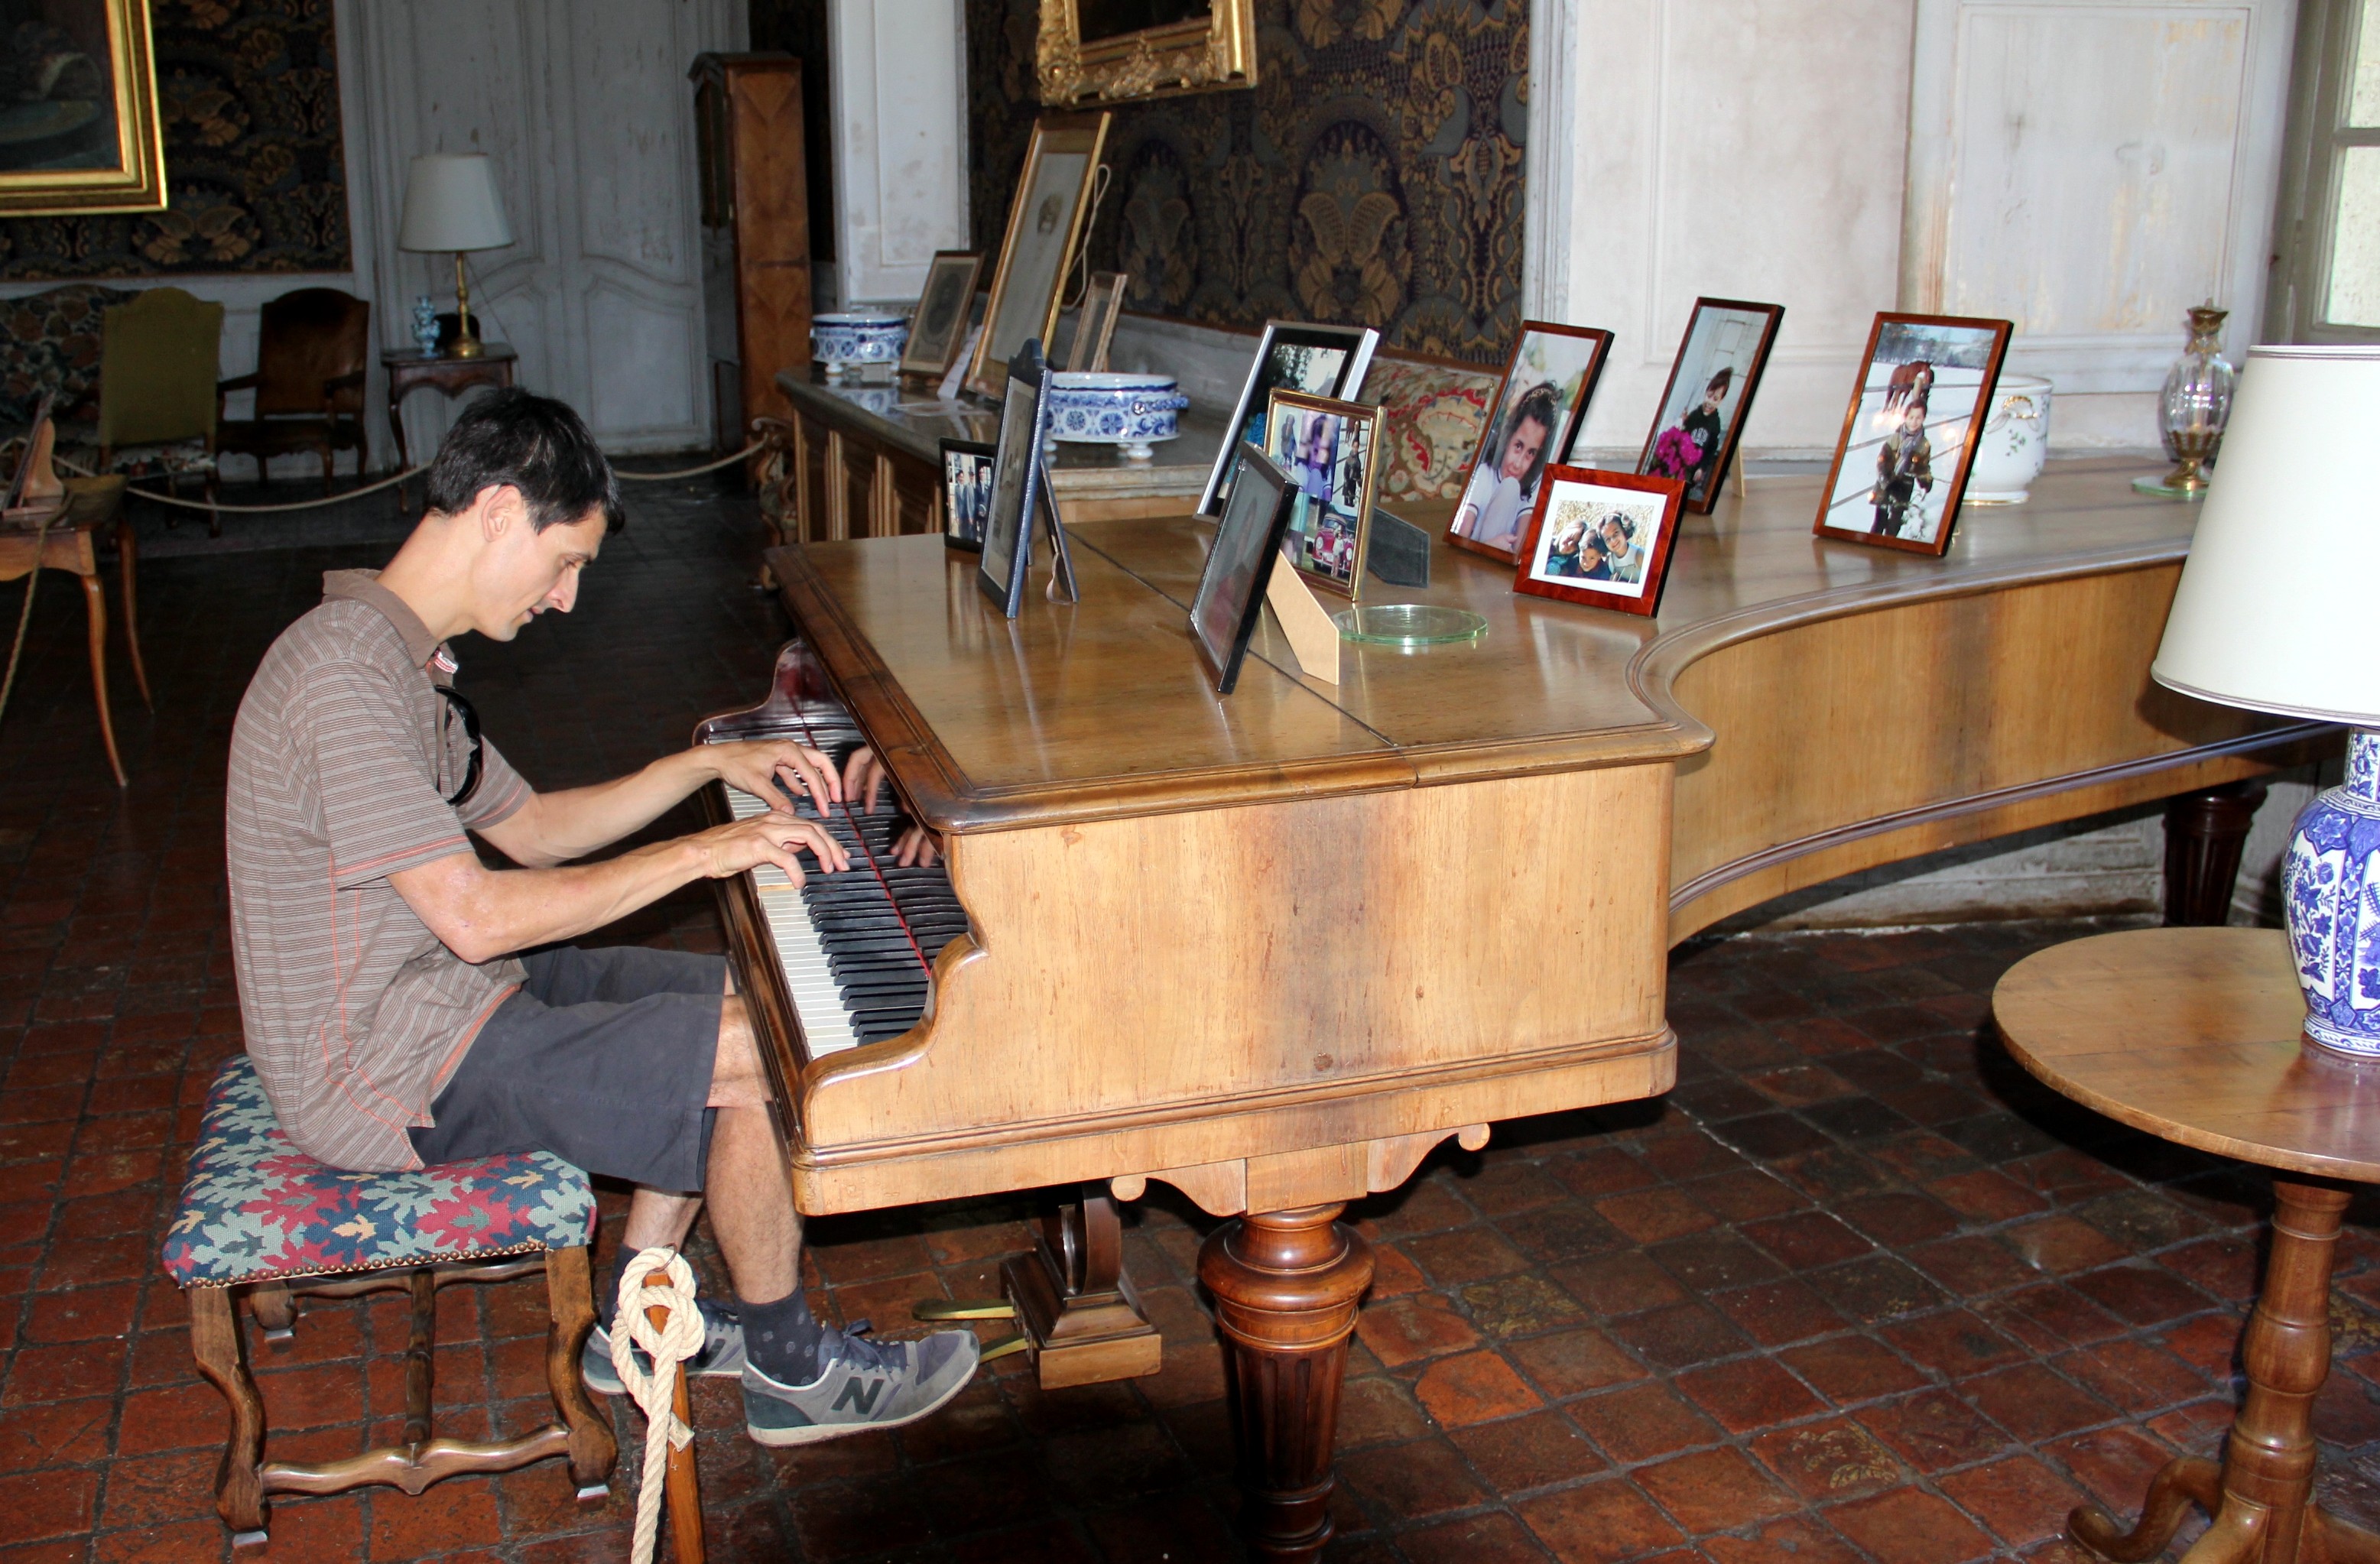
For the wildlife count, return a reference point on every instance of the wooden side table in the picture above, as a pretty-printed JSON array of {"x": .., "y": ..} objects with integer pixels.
[
  {"x": 92, "y": 503},
  {"x": 411, "y": 369},
  {"x": 2193, "y": 1035}
]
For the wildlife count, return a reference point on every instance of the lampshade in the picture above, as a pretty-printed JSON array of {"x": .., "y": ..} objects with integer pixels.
[
  {"x": 2277, "y": 610},
  {"x": 449, "y": 204}
]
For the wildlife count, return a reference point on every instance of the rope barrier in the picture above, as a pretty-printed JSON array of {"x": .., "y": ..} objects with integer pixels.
[
  {"x": 690, "y": 472},
  {"x": 669, "y": 1344}
]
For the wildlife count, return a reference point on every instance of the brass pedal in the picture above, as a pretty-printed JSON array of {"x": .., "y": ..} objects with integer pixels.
[
  {"x": 964, "y": 1308},
  {"x": 1013, "y": 1341}
]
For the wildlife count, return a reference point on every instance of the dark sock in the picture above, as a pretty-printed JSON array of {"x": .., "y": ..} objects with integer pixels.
[
  {"x": 607, "y": 1295},
  {"x": 782, "y": 1339}
]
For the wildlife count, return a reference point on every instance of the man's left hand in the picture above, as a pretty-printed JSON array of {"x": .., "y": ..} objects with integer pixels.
[{"x": 755, "y": 766}]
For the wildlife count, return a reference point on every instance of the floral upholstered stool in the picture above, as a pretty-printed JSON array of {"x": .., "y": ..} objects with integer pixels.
[{"x": 259, "y": 1218}]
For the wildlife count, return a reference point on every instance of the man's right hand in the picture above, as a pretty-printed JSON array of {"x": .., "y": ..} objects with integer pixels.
[{"x": 767, "y": 838}]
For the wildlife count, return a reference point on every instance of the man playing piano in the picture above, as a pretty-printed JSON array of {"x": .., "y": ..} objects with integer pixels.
[{"x": 406, "y": 1004}]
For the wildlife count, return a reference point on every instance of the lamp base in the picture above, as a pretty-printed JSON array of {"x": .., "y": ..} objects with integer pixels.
[
  {"x": 2158, "y": 486},
  {"x": 467, "y": 343},
  {"x": 2330, "y": 885}
]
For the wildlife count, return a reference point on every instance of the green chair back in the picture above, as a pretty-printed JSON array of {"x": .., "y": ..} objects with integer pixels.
[{"x": 159, "y": 357}]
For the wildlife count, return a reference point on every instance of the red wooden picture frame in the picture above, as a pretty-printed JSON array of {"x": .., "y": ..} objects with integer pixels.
[
  {"x": 1558, "y": 440},
  {"x": 1772, "y": 316},
  {"x": 1654, "y": 572},
  {"x": 1955, "y": 489}
]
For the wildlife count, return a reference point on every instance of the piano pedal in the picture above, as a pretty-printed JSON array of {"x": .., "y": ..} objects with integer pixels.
[
  {"x": 1008, "y": 1345},
  {"x": 965, "y": 1308}
]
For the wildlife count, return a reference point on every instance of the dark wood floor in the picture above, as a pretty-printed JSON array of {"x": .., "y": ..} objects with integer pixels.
[{"x": 1854, "y": 1291}]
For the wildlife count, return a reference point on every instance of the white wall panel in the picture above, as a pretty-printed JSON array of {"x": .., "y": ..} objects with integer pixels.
[{"x": 900, "y": 108}]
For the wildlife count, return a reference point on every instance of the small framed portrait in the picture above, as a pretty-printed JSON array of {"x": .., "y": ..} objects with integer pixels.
[
  {"x": 941, "y": 323},
  {"x": 1095, "y": 327},
  {"x": 967, "y": 468},
  {"x": 1045, "y": 225},
  {"x": 1601, "y": 538},
  {"x": 1539, "y": 405},
  {"x": 79, "y": 128},
  {"x": 1316, "y": 360},
  {"x": 1703, "y": 408},
  {"x": 1328, "y": 450},
  {"x": 1910, "y": 435},
  {"x": 1231, "y": 593},
  {"x": 1015, "y": 484}
]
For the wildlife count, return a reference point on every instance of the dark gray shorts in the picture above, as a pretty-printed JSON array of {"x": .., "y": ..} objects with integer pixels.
[{"x": 602, "y": 1057}]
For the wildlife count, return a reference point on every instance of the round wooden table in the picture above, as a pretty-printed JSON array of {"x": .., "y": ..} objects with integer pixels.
[{"x": 2194, "y": 1035}]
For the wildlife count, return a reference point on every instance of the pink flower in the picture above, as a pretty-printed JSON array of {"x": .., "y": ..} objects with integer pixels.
[{"x": 1676, "y": 453}]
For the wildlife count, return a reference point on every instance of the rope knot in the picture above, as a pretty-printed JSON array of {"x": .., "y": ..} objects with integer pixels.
[{"x": 668, "y": 1344}]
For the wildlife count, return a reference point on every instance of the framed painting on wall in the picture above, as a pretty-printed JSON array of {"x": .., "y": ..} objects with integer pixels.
[
  {"x": 1045, "y": 226},
  {"x": 79, "y": 130},
  {"x": 1112, "y": 50}
]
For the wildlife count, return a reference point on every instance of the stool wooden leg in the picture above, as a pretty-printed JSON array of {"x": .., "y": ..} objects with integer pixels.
[
  {"x": 127, "y": 554},
  {"x": 420, "y": 1362},
  {"x": 94, "y": 602},
  {"x": 275, "y": 1314},
  {"x": 216, "y": 1342},
  {"x": 570, "y": 1307}
]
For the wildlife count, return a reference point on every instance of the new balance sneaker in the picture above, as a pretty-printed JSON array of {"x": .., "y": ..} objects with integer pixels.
[
  {"x": 864, "y": 1385},
  {"x": 721, "y": 1355}
]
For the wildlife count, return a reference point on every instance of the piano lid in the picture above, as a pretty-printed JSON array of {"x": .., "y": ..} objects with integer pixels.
[{"x": 1102, "y": 709}]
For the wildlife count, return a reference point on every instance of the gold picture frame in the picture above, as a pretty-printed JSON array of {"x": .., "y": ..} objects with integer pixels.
[
  {"x": 1086, "y": 55},
  {"x": 1095, "y": 327},
  {"x": 92, "y": 142},
  {"x": 1046, "y": 223}
]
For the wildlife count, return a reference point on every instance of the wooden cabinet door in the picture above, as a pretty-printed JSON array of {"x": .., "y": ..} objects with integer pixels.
[{"x": 917, "y": 494}]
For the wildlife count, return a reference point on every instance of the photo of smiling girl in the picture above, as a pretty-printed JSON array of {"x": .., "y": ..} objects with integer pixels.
[{"x": 1538, "y": 415}]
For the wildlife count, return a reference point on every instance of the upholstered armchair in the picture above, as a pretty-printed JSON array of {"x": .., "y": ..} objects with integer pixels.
[
  {"x": 158, "y": 359},
  {"x": 310, "y": 357}
]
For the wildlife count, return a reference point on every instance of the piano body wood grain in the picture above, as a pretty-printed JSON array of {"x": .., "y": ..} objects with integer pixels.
[{"x": 1272, "y": 949}]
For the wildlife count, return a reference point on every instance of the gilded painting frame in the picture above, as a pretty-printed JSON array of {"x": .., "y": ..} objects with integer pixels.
[
  {"x": 1062, "y": 162},
  {"x": 42, "y": 142},
  {"x": 1198, "y": 54}
]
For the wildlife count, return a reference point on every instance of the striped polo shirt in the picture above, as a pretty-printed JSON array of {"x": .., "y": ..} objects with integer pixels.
[{"x": 341, "y": 762}]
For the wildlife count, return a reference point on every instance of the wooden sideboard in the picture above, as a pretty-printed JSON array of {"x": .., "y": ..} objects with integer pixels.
[{"x": 866, "y": 461}]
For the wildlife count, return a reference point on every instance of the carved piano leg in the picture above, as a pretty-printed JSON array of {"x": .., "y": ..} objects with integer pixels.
[
  {"x": 2203, "y": 835},
  {"x": 1077, "y": 1306},
  {"x": 1286, "y": 1286}
]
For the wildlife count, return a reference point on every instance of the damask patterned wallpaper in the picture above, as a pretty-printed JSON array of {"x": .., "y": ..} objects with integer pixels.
[
  {"x": 248, "y": 92},
  {"x": 1372, "y": 177}
]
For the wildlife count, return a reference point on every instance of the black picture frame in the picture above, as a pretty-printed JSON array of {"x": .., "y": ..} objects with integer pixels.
[
  {"x": 1015, "y": 482},
  {"x": 967, "y": 498},
  {"x": 1265, "y": 378},
  {"x": 1231, "y": 595}
]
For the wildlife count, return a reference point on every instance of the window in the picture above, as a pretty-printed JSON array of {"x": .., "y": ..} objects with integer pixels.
[{"x": 2326, "y": 249}]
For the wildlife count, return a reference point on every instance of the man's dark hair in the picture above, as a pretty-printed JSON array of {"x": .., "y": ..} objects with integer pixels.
[{"x": 536, "y": 445}]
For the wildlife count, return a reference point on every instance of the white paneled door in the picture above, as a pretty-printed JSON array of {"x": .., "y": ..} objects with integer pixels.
[{"x": 585, "y": 108}]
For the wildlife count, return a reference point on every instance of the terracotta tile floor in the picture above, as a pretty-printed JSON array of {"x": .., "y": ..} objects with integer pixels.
[{"x": 1854, "y": 1291}]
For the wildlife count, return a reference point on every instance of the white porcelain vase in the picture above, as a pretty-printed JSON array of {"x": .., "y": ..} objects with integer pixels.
[{"x": 2015, "y": 443}]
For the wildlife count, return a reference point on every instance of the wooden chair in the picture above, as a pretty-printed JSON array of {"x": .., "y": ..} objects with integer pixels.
[
  {"x": 159, "y": 356},
  {"x": 311, "y": 358},
  {"x": 260, "y": 1218}
]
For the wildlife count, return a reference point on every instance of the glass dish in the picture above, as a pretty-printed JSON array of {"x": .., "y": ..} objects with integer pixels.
[{"x": 1408, "y": 624}]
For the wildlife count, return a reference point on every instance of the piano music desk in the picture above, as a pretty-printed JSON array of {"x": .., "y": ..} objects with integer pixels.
[{"x": 1272, "y": 949}]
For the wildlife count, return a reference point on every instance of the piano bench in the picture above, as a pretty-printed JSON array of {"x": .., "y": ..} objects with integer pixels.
[{"x": 262, "y": 1220}]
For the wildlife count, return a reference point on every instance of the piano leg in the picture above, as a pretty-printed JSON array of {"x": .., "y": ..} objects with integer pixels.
[
  {"x": 1077, "y": 1308},
  {"x": 2205, "y": 833},
  {"x": 1286, "y": 1286}
]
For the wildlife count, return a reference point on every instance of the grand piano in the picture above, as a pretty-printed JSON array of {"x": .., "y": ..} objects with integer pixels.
[{"x": 1271, "y": 948}]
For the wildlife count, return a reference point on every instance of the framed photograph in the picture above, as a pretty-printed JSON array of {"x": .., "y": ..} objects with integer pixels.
[
  {"x": 1330, "y": 452},
  {"x": 1601, "y": 538},
  {"x": 1710, "y": 388},
  {"x": 1539, "y": 405},
  {"x": 1045, "y": 225},
  {"x": 1910, "y": 435},
  {"x": 1095, "y": 327},
  {"x": 1315, "y": 361},
  {"x": 1231, "y": 593},
  {"x": 78, "y": 126},
  {"x": 967, "y": 468},
  {"x": 1015, "y": 479},
  {"x": 1114, "y": 51},
  {"x": 941, "y": 323}
]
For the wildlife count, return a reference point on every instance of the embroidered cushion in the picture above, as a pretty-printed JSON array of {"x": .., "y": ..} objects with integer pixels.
[
  {"x": 256, "y": 1207},
  {"x": 1432, "y": 416}
]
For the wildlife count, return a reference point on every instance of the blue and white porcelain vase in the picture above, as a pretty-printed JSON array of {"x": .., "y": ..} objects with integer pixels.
[
  {"x": 2330, "y": 883},
  {"x": 425, "y": 326}
]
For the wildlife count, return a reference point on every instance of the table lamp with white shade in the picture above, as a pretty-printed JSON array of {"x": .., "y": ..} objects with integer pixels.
[
  {"x": 2278, "y": 610},
  {"x": 450, "y": 204}
]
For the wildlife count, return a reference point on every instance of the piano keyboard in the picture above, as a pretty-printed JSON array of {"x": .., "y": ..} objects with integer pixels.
[{"x": 856, "y": 947}]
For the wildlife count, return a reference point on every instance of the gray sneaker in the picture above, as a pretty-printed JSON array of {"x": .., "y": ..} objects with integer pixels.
[
  {"x": 864, "y": 1385},
  {"x": 721, "y": 1355}
]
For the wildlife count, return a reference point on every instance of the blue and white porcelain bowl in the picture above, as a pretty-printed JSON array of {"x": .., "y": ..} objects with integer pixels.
[
  {"x": 859, "y": 337},
  {"x": 1131, "y": 411}
]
